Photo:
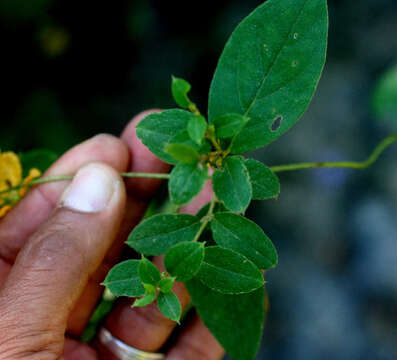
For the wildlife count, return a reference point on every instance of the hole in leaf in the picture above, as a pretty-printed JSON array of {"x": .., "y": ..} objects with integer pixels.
[
  {"x": 276, "y": 124},
  {"x": 295, "y": 36},
  {"x": 294, "y": 63}
]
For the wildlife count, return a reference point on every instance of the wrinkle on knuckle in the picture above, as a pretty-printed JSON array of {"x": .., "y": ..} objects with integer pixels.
[{"x": 194, "y": 351}]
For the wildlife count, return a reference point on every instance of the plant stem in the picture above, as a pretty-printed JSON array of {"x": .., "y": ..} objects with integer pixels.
[
  {"x": 383, "y": 145},
  {"x": 206, "y": 219},
  {"x": 70, "y": 177}
]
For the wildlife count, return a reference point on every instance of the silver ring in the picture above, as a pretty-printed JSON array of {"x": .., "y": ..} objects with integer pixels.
[{"x": 122, "y": 350}]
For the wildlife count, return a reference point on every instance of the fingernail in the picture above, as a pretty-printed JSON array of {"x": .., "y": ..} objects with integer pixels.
[{"x": 91, "y": 189}]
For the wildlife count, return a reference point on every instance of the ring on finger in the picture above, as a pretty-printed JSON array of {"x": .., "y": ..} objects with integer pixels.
[{"x": 123, "y": 351}]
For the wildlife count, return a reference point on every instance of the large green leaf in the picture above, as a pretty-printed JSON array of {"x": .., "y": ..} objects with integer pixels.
[
  {"x": 244, "y": 236},
  {"x": 229, "y": 272},
  {"x": 265, "y": 183},
  {"x": 155, "y": 235},
  {"x": 232, "y": 185},
  {"x": 236, "y": 321},
  {"x": 270, "y": 68},
  {"x": 123, "y": 279},
  {"x": 186, "y": 182},
  {"x": 156, "y": 130}
]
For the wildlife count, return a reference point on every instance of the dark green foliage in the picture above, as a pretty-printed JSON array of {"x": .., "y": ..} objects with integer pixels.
[
  {"x": 232, "y": 184},
  {"x": 270, "y": 68},
  {"x": 229, "y": 272},
  {"x": 186, "y": 182},
  {"x": 169, "y": 306},
  {"x": 123, "y": 279},
  {"x": 184, "y": 260},
  {"x": 155, "y": 235},
  {"x": 265, "y": 184},
  {"x": 39, "y": 159},
  {"x": 235, "y": 320},
  {"x": 148, "y": 272},
  {"x": 244, "y": 236}
]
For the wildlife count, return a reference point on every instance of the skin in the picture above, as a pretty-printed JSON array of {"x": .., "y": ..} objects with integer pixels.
[{"x": 53, "y": 259}]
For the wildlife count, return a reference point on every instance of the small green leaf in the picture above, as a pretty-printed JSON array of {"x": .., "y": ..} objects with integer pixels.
[
  {"x": 147, "y": 299},
  {"x": 237, "y": 233},
  {"x": 236, "y": 321},
  {"x": 155, "y": 235},
  {"x": 149, "y": 288},
  {"x": 385, "y": 98},
  {"x": 196, "y": 128},
  {"x": 184, "y": 260},
  {"x": 148, "y": 272},
  {"x": 123, "y": 279},
  {"x": 180, "y": 89},
  {"x": 156, "y": 130},
  {"x": 39, "y": 159},
  {"x": 228, "y": 125},
  {"x": 169, "y": 306},
  {"x": 186, "y": 182},
  {"x": 270, "y": 68},
  {"x": 232, "y": 184},
  {"x": 184, "y": 138},
  {"x": 229, "y": 272},
  {"x": 265, "y": 183},
  {"x": 166, "y": 284},
  {"x": 183, "y": 153}
]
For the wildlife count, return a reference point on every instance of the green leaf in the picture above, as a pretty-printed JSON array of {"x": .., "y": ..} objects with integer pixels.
[
  {"x": 385, "y": 97},
  {"x": 236, "y": 321},
  {"x": 183, "y": 153},
  {"x": 166, "y": 284},
  {"x": 232, "y": 184},
  {"x": 123, "y": 279},
  {"x": 180, "y": 89},
  {"x": 228, "y": 125},
  {"x": 150, "y": 289},
  {"x": 229, "y": 272},
  {"x": 148, "y": 272},
  {"x": 184, "y": 138},
  {"x": 186, "y": 182},
  {"x": 184, "y": 260},
  {"x": 169, "y": 306},
  {"x": 265, "y": 183},
  {"x": 219, "y": 207},
  {"x": 155, "y": 235},
  {"x": 39, "y": 159},
  {"x": 156, "y": 130},
  {"x": 270, "y": 68},
  {"x": 237, "y": 233},
  {"x": 196, "y": 128},
  {"x": 147, "y": 299}
]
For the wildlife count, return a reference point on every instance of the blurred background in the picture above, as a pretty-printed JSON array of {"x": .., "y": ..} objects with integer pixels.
[{"x": 71, "y": 69}]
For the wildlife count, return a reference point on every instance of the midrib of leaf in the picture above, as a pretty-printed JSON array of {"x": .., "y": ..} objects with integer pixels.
[
  {"x": 225, "y": 271},
  {"x": 236, "y": 237},
  {"x": 275, "y": 60},
  {"x": 168, "y": 233},
  {"x": 234, "y": 187},
  {"x": 170, "y": 307}
]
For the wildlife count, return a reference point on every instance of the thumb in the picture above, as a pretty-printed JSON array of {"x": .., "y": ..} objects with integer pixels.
[{"x": 54, "y": 266}]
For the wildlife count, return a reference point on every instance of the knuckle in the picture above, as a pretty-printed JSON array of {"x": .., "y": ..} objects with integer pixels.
[{"x": 152, "y": 317}]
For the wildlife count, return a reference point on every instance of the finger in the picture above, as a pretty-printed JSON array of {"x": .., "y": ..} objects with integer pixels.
[
  {"x": 74, "y": 350},
  {"x": 37, "y": 206},
  {"x": 54, "y": 266},
  {"x": 140, "y": 192},
  {"x": 196, "y": 343},
  {"x": 146, "y": 328}
]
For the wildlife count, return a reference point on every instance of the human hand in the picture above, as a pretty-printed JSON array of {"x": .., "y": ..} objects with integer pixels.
[{"x": 57, "y": 245}]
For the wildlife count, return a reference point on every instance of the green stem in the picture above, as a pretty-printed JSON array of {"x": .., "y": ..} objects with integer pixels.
[
  {"x": 383, "y": 145},
  {"x": 70, "y": 177},
  {"x": 206, "y": 219}
]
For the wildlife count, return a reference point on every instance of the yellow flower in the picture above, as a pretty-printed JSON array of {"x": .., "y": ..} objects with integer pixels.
[{"x": 11, "y": 176}]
